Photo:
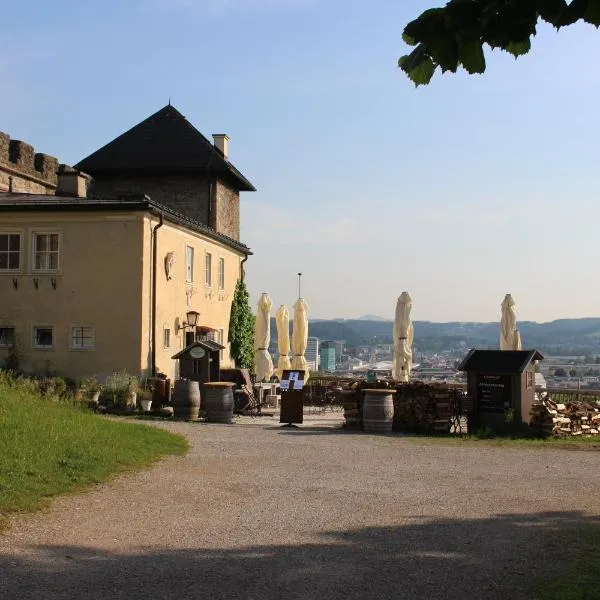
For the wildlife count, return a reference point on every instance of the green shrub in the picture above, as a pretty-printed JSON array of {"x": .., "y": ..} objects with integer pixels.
[
  {"x": 119, "y": 388},
  {"x": 89, "y": 385},
  {"x": 53, "y": 387}
]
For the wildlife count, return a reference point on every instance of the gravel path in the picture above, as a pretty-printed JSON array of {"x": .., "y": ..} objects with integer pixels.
[{"x": 256, "y": 512}]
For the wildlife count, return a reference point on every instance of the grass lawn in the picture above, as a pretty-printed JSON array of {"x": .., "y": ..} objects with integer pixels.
[{"x": 50, "y": 447}]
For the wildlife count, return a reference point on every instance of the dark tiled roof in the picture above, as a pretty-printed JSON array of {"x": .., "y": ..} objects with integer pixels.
[
  {"x": 499, "y": 361},
  {"x": 166, "y": 141},
  {"x": 206, "y": 344},
  {"x": 10, "y": 202}
]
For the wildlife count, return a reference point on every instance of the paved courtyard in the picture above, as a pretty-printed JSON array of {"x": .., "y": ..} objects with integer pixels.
[{"x": 262, "y": 513}]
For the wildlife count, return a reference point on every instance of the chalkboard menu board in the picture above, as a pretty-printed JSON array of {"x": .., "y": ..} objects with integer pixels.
[
  {"x": 292, "y": 397},
  {"x": 494, "y": 393}
]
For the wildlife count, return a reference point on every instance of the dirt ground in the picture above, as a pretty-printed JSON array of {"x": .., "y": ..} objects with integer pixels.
[{"x": 259, "y": 512}]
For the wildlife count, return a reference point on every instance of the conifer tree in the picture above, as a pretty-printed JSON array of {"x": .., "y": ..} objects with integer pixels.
[{"x": 241, "y": 328}]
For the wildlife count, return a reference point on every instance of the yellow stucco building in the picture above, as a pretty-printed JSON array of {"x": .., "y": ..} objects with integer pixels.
[{"x": 95, "y": 281}]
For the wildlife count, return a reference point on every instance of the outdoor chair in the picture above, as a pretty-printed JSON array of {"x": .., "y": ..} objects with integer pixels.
[{"x": 251, "y": 405}]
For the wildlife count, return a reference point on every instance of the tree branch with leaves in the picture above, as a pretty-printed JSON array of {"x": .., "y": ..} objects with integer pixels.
[{"x": 455, "y": 35}]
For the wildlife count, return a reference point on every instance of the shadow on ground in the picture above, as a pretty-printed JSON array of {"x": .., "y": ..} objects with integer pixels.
[{"x": 426, "y": 559}]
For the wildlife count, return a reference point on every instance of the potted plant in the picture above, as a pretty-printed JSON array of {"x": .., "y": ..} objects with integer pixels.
[
  {"x": 90, "y": 388},
  {"x": 131, "y": 392},
  {"x": 120, "y": 391},
  {"x": 144, "y": 397}
]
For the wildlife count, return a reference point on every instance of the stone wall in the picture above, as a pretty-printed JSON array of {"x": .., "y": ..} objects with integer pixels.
[
  {"x": 227, "y": 211},
  {"x": 24, "y": 170},
  {"x": 187, "y": 194}
]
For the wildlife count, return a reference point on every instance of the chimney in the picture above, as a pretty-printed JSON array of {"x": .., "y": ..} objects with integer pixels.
[
  {"x": 222, "y": 143},
  {"x": 72, "y": 182}
]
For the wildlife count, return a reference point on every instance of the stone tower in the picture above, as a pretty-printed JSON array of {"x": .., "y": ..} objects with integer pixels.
[{"x": 168, "y": 159}]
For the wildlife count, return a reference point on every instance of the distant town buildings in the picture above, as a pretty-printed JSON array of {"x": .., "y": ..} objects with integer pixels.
[
  {"x": 339, "y": 349},
  {"x": 327, "y": 356},
  {"x": 312, "y": 353}
]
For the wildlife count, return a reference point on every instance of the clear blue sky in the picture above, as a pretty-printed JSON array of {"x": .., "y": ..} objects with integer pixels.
[{"x": 457, "y": 192}]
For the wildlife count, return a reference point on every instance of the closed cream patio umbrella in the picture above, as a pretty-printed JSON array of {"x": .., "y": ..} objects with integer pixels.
[
  {"x": 262, "y": 337},
  {"x": 282, "y": 318},
  {"x": 300, "y": 337},
  {"x": 403, "y": 339},
  {"x": 510, "y": 338}
]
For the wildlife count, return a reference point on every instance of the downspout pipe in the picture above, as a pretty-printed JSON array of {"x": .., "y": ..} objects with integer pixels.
[
  {"x": 154, "y": 283},
  {"x": 242, "y": 267}
]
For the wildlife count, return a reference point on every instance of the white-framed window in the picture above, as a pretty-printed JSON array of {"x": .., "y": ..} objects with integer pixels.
[
  {"x": 220, "y": 340},
  {"x": 208, "y": 269},
  {"x": 7, "y": 337},
  {"x": 221, "y": 273},
  {"x": 166, "y": 337},
  {"x": 10, "y": 251},
  {"x": 530, "y": 379},
  {"x": 43, "y": 336},
  {"x": 189, "y": 264},
  {"x": 45, "y": 251},
  {"x": 83, "y": 337}
]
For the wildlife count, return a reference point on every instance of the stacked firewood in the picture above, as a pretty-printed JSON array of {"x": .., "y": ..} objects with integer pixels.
[
  {"x": 351, "y": 398},
  {"x": 418, "y": 407},
  {"x": 565, "y": 420},
  {"x": 351, "y": 401},
  {"x": 427, "y": 408}
]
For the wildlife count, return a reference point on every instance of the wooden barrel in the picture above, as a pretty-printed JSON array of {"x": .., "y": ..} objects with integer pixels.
[
  {"x": 378, "y": 411},
  {"x": 186, "y": 399},
  {"x": 218, "y": 401},
  {"x": 351, "y": 409}
]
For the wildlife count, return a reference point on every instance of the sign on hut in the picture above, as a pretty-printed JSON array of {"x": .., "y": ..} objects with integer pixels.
[{"x": 502, "y": 385}]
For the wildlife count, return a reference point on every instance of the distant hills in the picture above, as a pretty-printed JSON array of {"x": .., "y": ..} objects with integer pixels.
[{"x": 561, "y": 337}]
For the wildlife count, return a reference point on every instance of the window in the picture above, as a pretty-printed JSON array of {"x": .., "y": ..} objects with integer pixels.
[
  {"x": 7, "y": 337},
  {"x": 530, "y": 379},
  {"x": 189, "y": 264},
  {"x": 221, "y": 273},
  {"x": 45, "y": 252},
  {"x": 206, "y": 334},
  {"x": 166, "y": 338},
  {"x": 43, "y": 337},
  {"x": 82, "y": 338},
  {"x": 10, "y": 251},
  {"x": 221, "y": 338},
  {"x": 208, "y": 269}
]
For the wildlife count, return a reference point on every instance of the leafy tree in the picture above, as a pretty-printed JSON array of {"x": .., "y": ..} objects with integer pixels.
[
  {"x": 560, "y": 372},
  {"x": 573, "y": 373},
  {"x": 241, "y": 328},
  {"x": 455, "y": 35}
]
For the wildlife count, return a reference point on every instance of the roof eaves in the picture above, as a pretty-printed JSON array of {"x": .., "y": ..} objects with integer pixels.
[
  {"x": 466, "y": 359},
  {"x": 190, "y": 223},
  {"x": 29, "y": 202}
]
